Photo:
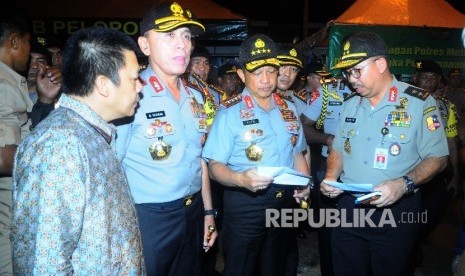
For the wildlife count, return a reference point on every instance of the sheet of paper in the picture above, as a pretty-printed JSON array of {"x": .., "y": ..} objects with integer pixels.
[
  {"x": 285, "y": 176},
  {"x": 351, "y": 187}
]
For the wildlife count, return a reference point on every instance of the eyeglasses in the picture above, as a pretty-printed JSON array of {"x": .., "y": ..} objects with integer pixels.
[{"x": 356, "y": 72}]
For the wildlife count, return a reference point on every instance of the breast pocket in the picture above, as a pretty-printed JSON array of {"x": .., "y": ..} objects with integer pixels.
[{"x": 398, "y": 142}]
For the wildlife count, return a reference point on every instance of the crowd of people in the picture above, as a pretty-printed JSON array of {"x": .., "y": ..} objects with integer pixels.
[{"x": 110, "y": 169}]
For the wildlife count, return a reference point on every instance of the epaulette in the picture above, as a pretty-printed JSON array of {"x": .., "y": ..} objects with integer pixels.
[
  {"x": 286, "y": 97},
  {"x": 351, "y": 95},
  {"x": 233, "y": 100},
  {"x": 301, "y": 95},
  {"x": 216, "y": 89},
  {"x": 444, "y": 99},
  {"x": 417, "y": 92}
]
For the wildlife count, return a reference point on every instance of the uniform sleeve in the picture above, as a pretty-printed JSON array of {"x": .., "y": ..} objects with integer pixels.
[
  {"x": 13, "y": 116},
  {"x": 49, "y": 194},
  {"x": 431, "y": 140}
]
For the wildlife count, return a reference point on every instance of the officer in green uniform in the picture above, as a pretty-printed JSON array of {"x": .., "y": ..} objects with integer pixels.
[{"x": 391, "y": 136}]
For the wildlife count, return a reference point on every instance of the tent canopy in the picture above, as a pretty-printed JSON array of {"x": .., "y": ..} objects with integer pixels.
[{"x": 413, "y": 29}]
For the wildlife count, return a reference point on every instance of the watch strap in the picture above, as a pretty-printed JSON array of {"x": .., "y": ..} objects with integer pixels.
[
  {"x": 211, "y": 212},
  {"x": 410, "y": 188}
]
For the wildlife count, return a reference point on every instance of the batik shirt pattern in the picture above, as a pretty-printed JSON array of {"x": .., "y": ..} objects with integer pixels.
[{"x": 73, "y": 213}]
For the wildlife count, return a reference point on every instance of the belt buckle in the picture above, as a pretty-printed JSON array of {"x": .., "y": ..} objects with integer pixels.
[
  {"x": 279, "y": 194},
  {"x": 188, "y": 200}
]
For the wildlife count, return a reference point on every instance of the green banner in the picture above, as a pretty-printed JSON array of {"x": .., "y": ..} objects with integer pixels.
[{"x": 407, "y": 44}]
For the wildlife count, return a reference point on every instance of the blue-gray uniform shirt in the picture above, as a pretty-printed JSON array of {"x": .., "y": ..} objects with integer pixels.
[
  {"x": 235, "y": 129},
  {"x": 413, "y": 131},
  {"x": 337, "y": 92},
  {"x": 180, "y": 125}
]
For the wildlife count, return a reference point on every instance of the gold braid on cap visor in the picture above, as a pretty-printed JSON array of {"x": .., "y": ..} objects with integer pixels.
[
  {"x": 250, "y": 66},
  {"x": 350, "y": 60},
  {"x": 170, "y": 22},
  {"x": 289, "y": 60}
]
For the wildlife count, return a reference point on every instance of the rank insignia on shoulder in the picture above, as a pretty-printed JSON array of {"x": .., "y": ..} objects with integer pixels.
[
  {"x": 287, "y": 98},
  {"x": 349, "y": 96},
  {"x": 417, "y": 92},
  {"x": 216, "y": 89},
  {"x": 301, "y": 95},
  {"x": 233, "y": 100}
]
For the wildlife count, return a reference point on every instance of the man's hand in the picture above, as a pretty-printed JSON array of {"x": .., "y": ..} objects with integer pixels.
[
  {"x": 210, "y": 233},
  {"x": 392, "y": 191},
  {"x": 48, "y": 84},
  {"x": 300, "y": 194},
  {"x": 328, "y": 190},
  {"x": 254, "y": 182}
]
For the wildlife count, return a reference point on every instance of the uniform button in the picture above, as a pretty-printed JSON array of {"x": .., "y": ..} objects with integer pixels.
[
  {"x": 365, "y": 162},
  {"x": 368, "y": 139}
]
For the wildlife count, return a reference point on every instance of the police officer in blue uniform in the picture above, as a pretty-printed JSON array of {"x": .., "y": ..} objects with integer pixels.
[
  {"x": 161, "y": 149},
  {"x": 255, "y": 128},
  {"x": 290, "y": 59},
  {"x": 197, "y": 75},
  {"x": 390, "y": 135}
]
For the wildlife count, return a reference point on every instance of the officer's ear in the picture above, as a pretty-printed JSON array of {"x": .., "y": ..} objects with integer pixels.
[
  {"x": 144, "y": 45},
  {"x": 381, "y": 64},
  {"x": 241, "y": 74}
]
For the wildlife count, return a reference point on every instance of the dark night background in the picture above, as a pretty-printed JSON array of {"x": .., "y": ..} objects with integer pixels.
[{"x": 283, "y": 20}]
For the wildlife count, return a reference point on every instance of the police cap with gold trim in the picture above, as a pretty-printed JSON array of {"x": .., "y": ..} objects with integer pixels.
[
  {"x": 429, "y": 66},
  {"x": 318, "y": 68},
  {"x": 227, "y": 68},
  {"x": 38, "y": 47},
  {"x": 360, "y": 46},
  {"x": 290, "y": 55},
  {"x": 257, "y": 51},
  {"x": 167, "y": 16}
]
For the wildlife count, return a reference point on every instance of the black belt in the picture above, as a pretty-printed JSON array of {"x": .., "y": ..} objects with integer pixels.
[{"x": 179, "y": 203}]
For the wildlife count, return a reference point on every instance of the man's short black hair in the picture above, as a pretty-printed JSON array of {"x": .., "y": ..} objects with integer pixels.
[{"x": 92, "y": 52}]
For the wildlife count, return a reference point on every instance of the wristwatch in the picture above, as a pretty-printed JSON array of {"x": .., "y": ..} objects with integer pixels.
[
  {"x": 211, "y": 212},
  {"x": 410, "y": 186}
]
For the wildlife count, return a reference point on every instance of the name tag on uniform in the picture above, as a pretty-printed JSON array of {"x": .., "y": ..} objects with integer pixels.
[
  {"x": 156, "y": 114},
  {"x": 250, "y": 122},
  {"x": 335, "y": 103},
  {"x": 350, "y": 120}
]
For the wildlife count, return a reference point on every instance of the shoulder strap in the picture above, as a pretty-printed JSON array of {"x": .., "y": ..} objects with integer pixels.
[
  {"x": 233, "y": 100},
  {"x": 416, "y": 92}
]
